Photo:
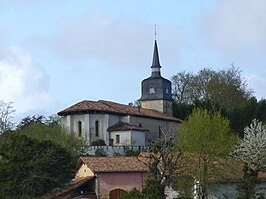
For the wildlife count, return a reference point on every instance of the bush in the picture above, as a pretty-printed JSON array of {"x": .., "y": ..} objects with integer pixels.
[
  {"x": 31, "y": 168},
  {"x": 133, "y": 194},
  {"x": 100, "y": 152},
  {"x": 98, "y": 143}
]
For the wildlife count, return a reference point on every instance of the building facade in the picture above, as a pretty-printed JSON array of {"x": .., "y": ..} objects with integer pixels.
[{"x": 124, "y": 125}]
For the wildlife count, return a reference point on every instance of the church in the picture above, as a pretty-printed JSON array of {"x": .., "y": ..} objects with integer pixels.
[{"x": 125, "y": 125}]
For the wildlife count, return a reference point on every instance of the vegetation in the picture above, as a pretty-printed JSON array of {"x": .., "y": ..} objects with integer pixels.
[
  {"x": 57, "y": 135},
  {"x": 206, "y": 135},
  {"x": 133, "y": 194},
  {"x": 251, "y": 151},
  {"x": 163, "y": 163},
  {"x": 37, "y": 158},
  {"x": 225, "y": 87},
  {"x": 99, "y": 142},
  {"x": 223, "y": 90},
  {"x": 6, "y": 116},
  {"x": 31, "y": 168}
]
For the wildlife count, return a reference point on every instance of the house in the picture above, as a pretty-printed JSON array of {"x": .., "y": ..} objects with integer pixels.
[
  {"x": 106, "y": 177},
  {"x": 125, "y": 125}
]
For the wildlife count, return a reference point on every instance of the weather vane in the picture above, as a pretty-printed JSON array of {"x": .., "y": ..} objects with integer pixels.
[{"x": 155, "y": 33}]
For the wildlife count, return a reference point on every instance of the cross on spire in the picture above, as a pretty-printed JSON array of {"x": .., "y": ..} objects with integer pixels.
[{"x": 155, "y": 32}]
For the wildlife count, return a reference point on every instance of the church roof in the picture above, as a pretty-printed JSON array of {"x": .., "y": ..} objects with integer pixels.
[
  {"x": 122, "y": 126},
  {"x": 109, "y": 107},
  {"x": 155, "y": 60},
  {"x": 114, "y": 164}
]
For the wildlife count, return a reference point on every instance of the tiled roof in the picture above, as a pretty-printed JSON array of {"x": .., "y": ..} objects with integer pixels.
[
  {"x": 102, "y": 106},
  {"x": 121, "y": 126},
  {"x": 114, "y": 164},
  {"x": 74, "y": 184}
]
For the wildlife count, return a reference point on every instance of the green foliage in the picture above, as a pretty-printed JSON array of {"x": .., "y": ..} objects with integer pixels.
[
  {"x": 184, "y": 186},
  {"x": 153, "y": 189},
  {"x": 57, "y": 135},
  {"x": 29, "y": 168},
  {"x": 30, "y": 120},
  {"x": 247, "y": 187},
  {"x": 100, "y": 152},
  {"x": 133, "y": 194},
  {"x": 131, "y": 152},
  {"x": 224, "y": 87},
  {"x": 99, "y": 142},
  {"x": 206, "y": 135}
]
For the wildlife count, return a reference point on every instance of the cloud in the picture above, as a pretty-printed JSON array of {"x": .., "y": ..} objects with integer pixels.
[
  {"x": 257, "y": 83},
  {"x": 236, "y": 26},
  {"x": 118, "y": 42},
  {"x": 23, "y": 82}
]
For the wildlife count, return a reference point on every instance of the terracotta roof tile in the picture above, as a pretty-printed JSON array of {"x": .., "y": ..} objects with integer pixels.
[
  {"x": 102, "y": 106},
  {"x": 121, "y": 126},
  {"x": 74, "y": 184},
  {"x": 114, "y": 164}
]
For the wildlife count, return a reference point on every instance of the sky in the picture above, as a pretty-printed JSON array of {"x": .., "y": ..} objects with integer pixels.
[{"x": 54, "y": 54}]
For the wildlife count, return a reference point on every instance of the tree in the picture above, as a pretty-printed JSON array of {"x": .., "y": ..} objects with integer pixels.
[
  {"x": 182, "y": 83},
  {"x": 41, "y": 132},
  {"x": 163, "y": 163},
  {"x": 206, "y": 136},
  {"x": 29, "y": 120},
  {"x": 52, "y": 120},
  {"x": 251, "y": 150},
  {"x": 30, "y": 168},
  {"x": 6, "y": 116},
  {"x": 225, "y": 87}
]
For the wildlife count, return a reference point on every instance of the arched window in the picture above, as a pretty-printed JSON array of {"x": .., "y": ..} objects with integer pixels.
[
  {"x": 79, "y": 128},
  {"x": 96, "y": 128}
]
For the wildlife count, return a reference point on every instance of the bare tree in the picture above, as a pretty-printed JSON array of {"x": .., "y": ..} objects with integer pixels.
[
  {"x": 6, "y": 116},
  {"x": 163, "y": 162}
]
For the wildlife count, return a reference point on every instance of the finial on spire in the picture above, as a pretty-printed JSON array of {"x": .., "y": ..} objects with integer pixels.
[{"x": 155, "y": 32}]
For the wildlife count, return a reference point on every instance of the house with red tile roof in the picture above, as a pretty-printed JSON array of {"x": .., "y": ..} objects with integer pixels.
[
  {"x": 124, "y": 125},
  {"x": 105, "y": 177}
]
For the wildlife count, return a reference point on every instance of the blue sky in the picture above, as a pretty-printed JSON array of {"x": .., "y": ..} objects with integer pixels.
[{"x": 56, "y": 53}]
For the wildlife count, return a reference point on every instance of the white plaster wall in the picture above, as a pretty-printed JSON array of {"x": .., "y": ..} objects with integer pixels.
[
  {"x": 171, "y": 128},
  {"x": 70, "y": 122},
  {"x": 137, "y": 138},
  {"x": 229, "y": 189},
  {"x": 125, "y": 138}
]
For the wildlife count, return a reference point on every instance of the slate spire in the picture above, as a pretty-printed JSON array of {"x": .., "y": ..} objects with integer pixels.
[{"x": 155, "y": 62}]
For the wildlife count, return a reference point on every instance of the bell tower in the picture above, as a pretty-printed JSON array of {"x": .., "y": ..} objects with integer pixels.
[{"x": 156, "y": 91}]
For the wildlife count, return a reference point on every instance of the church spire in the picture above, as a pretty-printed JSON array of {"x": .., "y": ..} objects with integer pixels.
[{"x": 155, "y": 62}]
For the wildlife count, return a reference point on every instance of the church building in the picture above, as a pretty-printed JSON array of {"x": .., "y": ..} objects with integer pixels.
[{"x": 125, "y": 125}]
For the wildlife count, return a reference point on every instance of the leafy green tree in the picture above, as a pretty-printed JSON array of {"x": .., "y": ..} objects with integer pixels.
[
  {"x": 224, "y": 87},
  {"x": 57, "y": 135},
  {"x": 29, "y": 168},
  {"x": 206, "y": 136}
]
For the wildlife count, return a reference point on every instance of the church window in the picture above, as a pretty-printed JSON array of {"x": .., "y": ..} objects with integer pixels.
[
  {"x": 117, "y": 139},
  {"x": 96, "y": 128},
  {"x": 140, "y": 125},
  {"x": 167, "y": 91},
  {"x": 79, "y": 128},
  {"x": 152, "y": 90},
  {"x": 160, "y": 131}
]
